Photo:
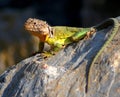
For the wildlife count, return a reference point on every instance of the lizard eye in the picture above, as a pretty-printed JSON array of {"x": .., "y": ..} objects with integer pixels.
[{"x": 34, "y": 23}]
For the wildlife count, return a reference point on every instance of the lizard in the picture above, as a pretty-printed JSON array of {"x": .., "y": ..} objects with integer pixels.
[
  {"x": 56, "y": 36},
  {"x": 104, "y": 24}
]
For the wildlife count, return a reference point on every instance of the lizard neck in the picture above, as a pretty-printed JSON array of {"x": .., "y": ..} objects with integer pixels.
[{"x": 42, "y": 38}]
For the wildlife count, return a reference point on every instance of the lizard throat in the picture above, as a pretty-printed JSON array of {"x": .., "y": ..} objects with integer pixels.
[{"x": 42, "y": 38}]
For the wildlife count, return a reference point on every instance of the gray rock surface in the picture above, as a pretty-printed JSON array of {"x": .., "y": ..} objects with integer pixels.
[{"x": 65, "y": 74}]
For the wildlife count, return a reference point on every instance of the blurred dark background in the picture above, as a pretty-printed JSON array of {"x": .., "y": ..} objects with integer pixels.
[{"x": 16, "y": 44}]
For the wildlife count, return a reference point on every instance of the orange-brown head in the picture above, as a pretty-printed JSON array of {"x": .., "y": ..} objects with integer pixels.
[{"x": 38, "y": 28}]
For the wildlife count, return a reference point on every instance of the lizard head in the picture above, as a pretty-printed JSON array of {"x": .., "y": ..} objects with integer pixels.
[{"x": 38, "y": 27}]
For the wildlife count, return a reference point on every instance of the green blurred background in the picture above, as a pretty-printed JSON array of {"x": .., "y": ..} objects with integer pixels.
[{"x": 16, "y": 44}]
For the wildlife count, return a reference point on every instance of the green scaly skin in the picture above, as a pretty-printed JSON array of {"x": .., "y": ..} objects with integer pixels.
[
  {"x": 114, "y": 31},
  {"x": 63, "y": 36}
]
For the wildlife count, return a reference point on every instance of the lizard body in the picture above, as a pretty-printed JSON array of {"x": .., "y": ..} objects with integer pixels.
[
  {"x": 58, "y": 36},
  {"x": 115, "y": 23}
]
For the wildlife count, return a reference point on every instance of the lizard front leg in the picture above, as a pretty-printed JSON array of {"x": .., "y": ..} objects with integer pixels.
[{"x": 41, "y": 46}]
